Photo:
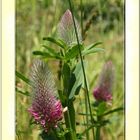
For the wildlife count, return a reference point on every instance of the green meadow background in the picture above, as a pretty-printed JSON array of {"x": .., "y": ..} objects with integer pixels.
[{"x": 38, "y": 18}]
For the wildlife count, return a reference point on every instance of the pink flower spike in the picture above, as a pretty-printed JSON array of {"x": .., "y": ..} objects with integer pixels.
[
  {"x": 103, "y": 92},
  {"x": 46, "y": 109},
  {"x": 66, "y": 30}
]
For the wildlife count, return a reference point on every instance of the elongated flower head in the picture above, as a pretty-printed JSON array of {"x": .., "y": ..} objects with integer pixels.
[
  {"x": 46, "y": 109},
  {"x": 66, "y": 30},
  {"x": 103, "y": 92}
]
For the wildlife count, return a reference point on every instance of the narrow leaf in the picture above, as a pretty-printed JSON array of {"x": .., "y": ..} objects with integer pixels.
[
  {"x": 112, "y": 111},
  {"x": 93, "y": 50},
  {"x": 23, "y": 78},
  {"x": 22, "y": 92},
  {"x": 90, "y": 127},
  {"x": 50, "y": 50},
  {"x": 55, "y": 41},
  {"x": 47, "y": 55},
  {"x": 93, "y": 45}
]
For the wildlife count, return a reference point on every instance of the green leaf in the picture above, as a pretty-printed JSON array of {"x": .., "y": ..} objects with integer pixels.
[
  {"x": 22, "y": 92},
  {"x": 48, "y": 136},
  {"x": 93, "y": 50},
  {"x": 93, "y": 45},
  {"x": 42, "y": 53},
  {"x": 62, "y": 96},
  {"x": 79, "y": 82},
  {"x": 112, "y": 111},
  {"x": 73, "y": 52},
  {"x": 58, "y": 42},
  {"x": 101, "y": 108},
  {"x": 47, "y": 55},
  {"x": 90, "y": 127},
  {"x": 23, "y": 78},
  {"x": 66, "y": 77},
  {"x": 50, "y": 50}
]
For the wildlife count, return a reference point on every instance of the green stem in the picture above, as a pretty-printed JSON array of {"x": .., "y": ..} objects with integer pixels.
[
  {"x": 67, "y": 122},
  {"x": 98, "y": 128},
  {"x": 56, "y": 135},
  {"x": 81, "y": 5},
  {"x": 98, "y": 133},
  {"x": 82, "y": 65},
  {"x": 86, "y": 102},
  {"x": 71, "y": 135},
  {"x": 86, "y": 106},
  {"x": 72, "y": 115}
]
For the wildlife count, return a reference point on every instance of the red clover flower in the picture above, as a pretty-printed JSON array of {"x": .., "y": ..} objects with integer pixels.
[
  {"x": 46, "y": 109},
  {"x": 103, "y": 92}
]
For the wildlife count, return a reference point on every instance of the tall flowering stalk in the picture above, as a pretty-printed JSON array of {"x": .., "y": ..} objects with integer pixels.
[
  {"x": 103, "y": 92},
  {"x": 66, "y": 30},
  {"x": 46, "y": 109}
]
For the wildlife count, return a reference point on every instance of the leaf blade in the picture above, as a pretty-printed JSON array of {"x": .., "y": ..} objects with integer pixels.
[
  {"x": 22, "y": 92},
  {"x": 23, "y": 78},
  {"x": 58, "y": 42},
  {"x": 46, "y": 55},
  {"x": 73, "y": 52},
  {"x": 93, "y": 50}
]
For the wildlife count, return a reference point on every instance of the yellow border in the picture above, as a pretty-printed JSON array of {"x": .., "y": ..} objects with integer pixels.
[
  {"x": 0, "y": 70},
  {"x": 8, "y": 74},
  {"x": 132, "y": 65},
  {"x": 132, "y": 70}
]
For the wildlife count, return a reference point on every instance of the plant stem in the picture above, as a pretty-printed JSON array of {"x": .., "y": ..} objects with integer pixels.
[
  {"x": 56, "y": 135},
  {"x": 86, "y": 102},
  {"x": 71, "y": 112},
  {"x": 81, "y": 8},
  {"x": 98, "y": 133},
  {"x": 86, "y": 106},
  {"x": 71, "y": 135},
  {"x": 82, "y": 65},
  {"x": 98, "y": 129}
]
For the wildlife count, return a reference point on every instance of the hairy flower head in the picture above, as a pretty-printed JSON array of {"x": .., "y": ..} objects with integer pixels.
[
  {"x": 46, "y": 109},
  {"x": 66, "y": 30},
  {"x": 103, "y": 92}
]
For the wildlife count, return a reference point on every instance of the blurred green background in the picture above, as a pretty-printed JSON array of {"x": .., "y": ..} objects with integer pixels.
[{"x": 38, "y": 18}]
